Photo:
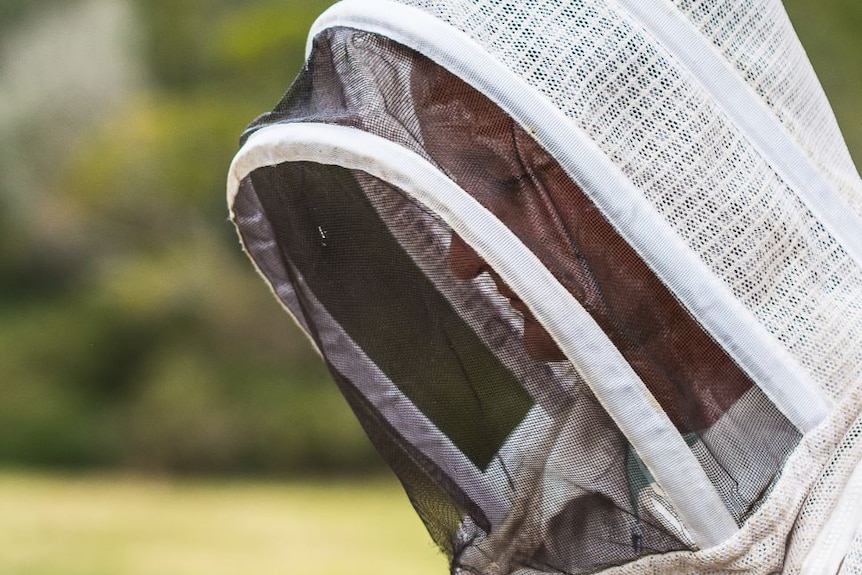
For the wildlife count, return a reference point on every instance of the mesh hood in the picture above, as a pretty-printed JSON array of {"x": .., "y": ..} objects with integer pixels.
[{"x": 588, "y": 273}]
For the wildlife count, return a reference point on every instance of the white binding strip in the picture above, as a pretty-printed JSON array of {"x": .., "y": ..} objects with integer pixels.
[
  {"x": 752, "y": 115},
  {"x": 706, "y": 297},
  {"x": 618, "y": 388}
]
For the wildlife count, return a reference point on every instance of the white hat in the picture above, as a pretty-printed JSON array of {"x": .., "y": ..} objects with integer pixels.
[{"x": 588, "y": 272}]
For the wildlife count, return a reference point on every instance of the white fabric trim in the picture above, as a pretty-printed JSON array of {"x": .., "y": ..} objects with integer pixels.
[
  {"x": 834, "y": 540},
  {"x": 617, "y": 387},
  {"x": 707, "y": 298},
  {"x": 751, "y": 114}
]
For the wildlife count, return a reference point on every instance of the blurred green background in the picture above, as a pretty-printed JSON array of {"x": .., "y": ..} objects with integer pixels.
[
  {"x": 135, "y": 336},
  {"x": 134, "y": 332}
]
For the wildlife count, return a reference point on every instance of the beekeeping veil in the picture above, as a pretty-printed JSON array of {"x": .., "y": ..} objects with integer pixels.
[{"x": 588, "y": 272}]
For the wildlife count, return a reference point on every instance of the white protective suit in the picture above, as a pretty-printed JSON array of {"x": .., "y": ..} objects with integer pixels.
[{"x": 589, "y": 272}]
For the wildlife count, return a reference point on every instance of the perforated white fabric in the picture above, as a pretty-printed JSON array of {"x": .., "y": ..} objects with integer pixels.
[
  {"x": 822, "y": 502},
  {"x": 757, "y": 37},
  {"x": 629, "y": 94}
]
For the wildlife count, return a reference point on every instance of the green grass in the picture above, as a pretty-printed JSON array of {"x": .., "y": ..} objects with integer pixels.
[{"x": 132, "y": 526}]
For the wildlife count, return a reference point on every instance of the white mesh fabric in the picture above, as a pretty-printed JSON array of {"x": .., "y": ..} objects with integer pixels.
[
  {"x": 665, "y": 132},
  {"x": 823, "y": 500},
  {"x": 756, "y": 36}
]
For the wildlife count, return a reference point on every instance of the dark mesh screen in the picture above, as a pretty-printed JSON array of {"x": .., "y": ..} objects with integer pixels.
[
  {"x": 438, "y": 500},
  {"x": 504, "y": 452},
  {"x": 375, "y": 292}
]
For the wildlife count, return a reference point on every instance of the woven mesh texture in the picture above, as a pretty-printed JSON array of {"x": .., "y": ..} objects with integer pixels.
[
  {"x": 710, "y": 183},
  {"x": 756, "y": 36},
  {"x": 823, "y": 498}
]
